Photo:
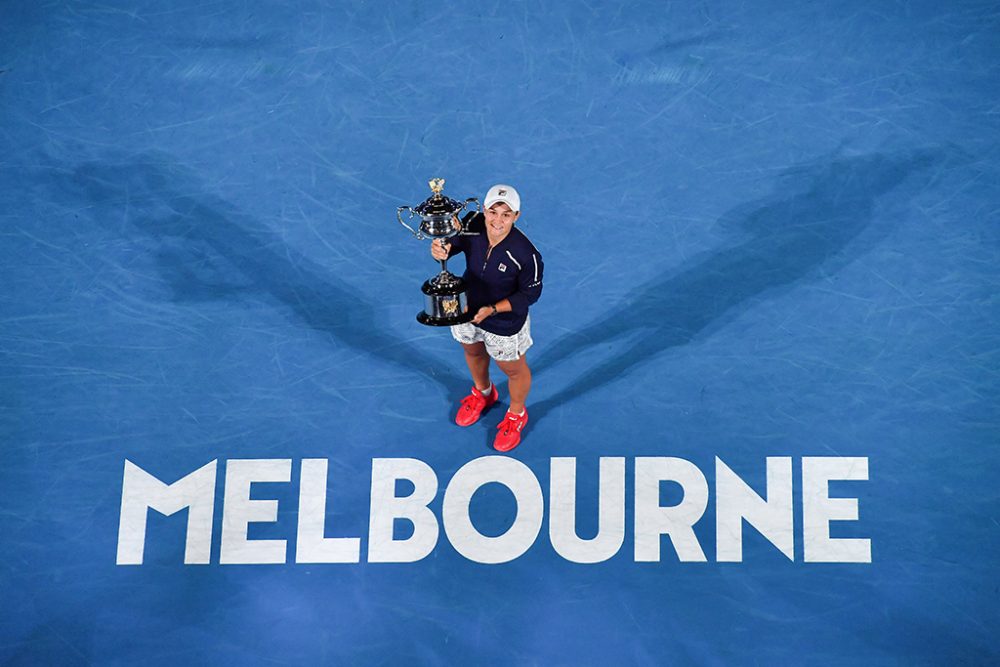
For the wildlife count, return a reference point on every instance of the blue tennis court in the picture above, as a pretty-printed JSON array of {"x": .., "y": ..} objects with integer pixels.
[{"x": 764, "y": 418}]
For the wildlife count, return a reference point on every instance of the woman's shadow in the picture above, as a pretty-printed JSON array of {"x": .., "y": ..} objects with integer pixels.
[
  {"x": 816, "y": 211},
  {"x": 206, "y": 249}
]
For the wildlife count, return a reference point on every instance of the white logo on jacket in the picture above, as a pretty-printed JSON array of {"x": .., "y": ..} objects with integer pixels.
[{"x": 503, "y": 267}]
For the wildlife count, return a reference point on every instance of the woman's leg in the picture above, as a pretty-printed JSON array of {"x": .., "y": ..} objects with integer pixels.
[
  {"x": 519, "y": 377},
  {"x": 479, "y": 364}
]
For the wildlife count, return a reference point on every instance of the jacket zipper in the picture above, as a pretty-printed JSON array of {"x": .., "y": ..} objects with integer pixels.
[{"x": 486, "y": 261}]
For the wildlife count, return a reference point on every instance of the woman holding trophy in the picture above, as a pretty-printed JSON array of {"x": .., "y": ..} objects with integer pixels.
[{"x": 504, "y": 277}]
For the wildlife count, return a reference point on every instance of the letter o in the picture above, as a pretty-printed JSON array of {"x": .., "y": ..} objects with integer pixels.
[{"x": 527, "y": 495}]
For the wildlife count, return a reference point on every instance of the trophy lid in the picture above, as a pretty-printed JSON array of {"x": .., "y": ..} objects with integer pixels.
[{"x": 437, "y": 204}]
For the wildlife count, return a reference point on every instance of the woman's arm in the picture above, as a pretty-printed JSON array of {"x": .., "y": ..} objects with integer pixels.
[{"x": 529, "y": 282}]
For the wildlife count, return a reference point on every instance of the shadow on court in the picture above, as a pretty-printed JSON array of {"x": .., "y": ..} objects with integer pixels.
[
  {"x": 207, "y": 249},
  {"x": 816, "y": 211}
]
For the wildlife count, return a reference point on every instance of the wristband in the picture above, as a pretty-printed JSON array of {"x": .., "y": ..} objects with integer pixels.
[{"x": 493, "y": 306}]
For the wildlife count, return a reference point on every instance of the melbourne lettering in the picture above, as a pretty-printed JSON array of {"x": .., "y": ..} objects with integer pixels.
[{"x": 737, "y": 508}]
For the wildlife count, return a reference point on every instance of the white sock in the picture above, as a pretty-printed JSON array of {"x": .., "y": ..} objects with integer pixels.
[
  {"x": 518, "y": 414},
  {"x": 486, "y": 392}
]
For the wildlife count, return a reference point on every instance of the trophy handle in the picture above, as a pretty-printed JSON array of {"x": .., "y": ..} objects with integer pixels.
[
  {"x": 479, "y": 209},
  {"x": 399, "y": 216}
]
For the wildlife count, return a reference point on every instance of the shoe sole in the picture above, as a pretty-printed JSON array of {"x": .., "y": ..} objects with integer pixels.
[{"x": 507, "y": 449}]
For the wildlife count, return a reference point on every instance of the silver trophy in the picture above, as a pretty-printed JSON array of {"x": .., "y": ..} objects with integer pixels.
[{"x": 445, "y": 302}]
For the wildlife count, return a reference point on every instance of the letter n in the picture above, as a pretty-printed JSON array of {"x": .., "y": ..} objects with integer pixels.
[
  {"x": 736, "y": 502},
  {"x": 141, "y": 491}
]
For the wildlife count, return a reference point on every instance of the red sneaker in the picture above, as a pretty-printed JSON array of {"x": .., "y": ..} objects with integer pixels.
[
  {"x": 510, "y": 429},
  {"x": 473, "y": 406}
]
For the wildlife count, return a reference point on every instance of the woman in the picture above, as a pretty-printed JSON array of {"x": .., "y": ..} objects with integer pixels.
[{"x": 503, "y": 278}]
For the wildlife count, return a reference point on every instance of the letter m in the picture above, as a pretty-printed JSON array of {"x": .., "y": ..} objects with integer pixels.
[{"x": 141, "y": 491}]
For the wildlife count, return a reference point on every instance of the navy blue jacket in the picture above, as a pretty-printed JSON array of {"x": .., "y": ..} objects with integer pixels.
[{"x": 511, "y": 270}]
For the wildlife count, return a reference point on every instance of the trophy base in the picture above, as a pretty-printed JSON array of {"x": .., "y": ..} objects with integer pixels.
[
  {"x": 426, "y": 319},
  {"x": 445, "y": 302}
]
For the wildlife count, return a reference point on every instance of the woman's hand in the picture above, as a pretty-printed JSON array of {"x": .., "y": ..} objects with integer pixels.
[
  {"x": 439, "y": 252},
  {"x": 482, "y": 314}
]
